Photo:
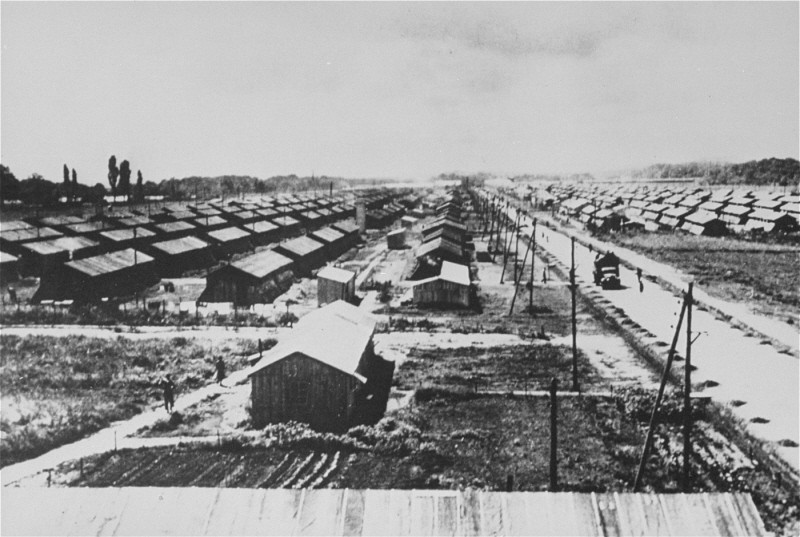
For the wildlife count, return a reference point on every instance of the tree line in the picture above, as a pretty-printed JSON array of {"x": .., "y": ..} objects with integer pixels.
[
  {"x": 771, "y": 171},
  {"x": 36, "y": 190}
]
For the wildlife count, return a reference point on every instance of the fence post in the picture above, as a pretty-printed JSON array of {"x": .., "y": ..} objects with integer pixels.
[{"x": 553, "y": 435}]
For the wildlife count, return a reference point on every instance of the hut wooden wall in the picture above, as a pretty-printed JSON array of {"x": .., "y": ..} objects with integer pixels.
[
  {"x": 330, "y": 290},
  {"x": 441, "y": 292},
  {"x": 299, "y": 388}
]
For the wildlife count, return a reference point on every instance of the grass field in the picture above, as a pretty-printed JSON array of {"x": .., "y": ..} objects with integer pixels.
[
  {"x": 497, "y": 368},
  {"x": 58, "y": 390},
  {"x": 763, "y": 275}
]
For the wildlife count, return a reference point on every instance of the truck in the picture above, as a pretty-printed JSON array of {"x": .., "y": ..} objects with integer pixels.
[{"x": 606, "y": 271}]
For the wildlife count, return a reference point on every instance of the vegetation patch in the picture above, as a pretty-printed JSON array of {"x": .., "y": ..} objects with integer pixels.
[
  {"x": 503, "y": 368},
  {"x": 56, "y": 390}
]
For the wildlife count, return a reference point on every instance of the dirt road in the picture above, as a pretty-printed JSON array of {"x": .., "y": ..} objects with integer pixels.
[{"x": 744, "y": 368}]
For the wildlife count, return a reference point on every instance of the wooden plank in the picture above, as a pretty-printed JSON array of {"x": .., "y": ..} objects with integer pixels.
[
  {"x": 516, "y": 515},
  {"x": 321, "y": 513},
  {"x": 492, "y": 513},
  {"x": 689, "y": 515},
  {"x": 354, "y": 512},
  {"x": 233, "y": 512},
  {"x": 652, "y": 516},
  {"x": 751, "y": 519},
  {"x": 422, "y": 518},
  {"x": 279, "y": 511},
  {"x": 446, "y": 515},
  {"x": 379, "y": 517},
  {"x": 722, "y": 515},
  {"x": 469, "y": 512}
]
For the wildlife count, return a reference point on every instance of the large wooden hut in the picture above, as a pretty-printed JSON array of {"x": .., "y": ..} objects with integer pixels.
[
  {"x": 325, "y": 374},
  {"x": 176, "y": 256},
  {"x": 450, "y": 288},
  {"x": 256, "y": 279},
  {"x": 307, "y": 253}
]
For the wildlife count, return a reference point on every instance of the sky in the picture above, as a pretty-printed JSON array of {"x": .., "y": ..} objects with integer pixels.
[{"x": 393, "y": 89}]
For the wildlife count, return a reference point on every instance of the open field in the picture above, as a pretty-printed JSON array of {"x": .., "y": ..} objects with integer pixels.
[
  {"x": 58, "y": 390},
  {"x": 496, "y": 368},
  {"x": 760, "y": 274}
]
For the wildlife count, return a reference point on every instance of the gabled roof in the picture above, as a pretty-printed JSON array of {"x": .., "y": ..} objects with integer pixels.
[
  {"x": 180, "y": 246},
  {"x": 301, "y": 246},
  {"x": 768, "y": 216},
  {"x": 61, "y": 244},
  {"x": 453, "y": 272},
  {"x": 88, "y": 227},
  {"x": 336, "y": 274},
  {"x": 260, "y": 227},
  {"x": 127, "y": 234},
  {"x": 29, "y": 234},
  {"x": 702, "y": 218},
  {"x": 285, "y": 221},
  {"x": 228, "y": 234},
  {"x": 347, "y": 226},
  {"x": 108, "y": 263},
  {"x": 327, "y": 235},
  {"x": 173, "y": 227},
  {"x": 442, "y": 244},
  {"x": 210, "y": 221},
  {"x": 262, "y": 264},
  {"x": 336, "y": 335}
]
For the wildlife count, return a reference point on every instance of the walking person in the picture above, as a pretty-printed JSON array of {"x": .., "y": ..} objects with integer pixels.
[
  {"x": 168, "y": 389},
  {"x": 220, "y": 365},
  {"x": 639, "y": 278}
]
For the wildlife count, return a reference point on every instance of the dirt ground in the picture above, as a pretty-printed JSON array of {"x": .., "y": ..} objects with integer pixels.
[{"x": 762, "y": 274}]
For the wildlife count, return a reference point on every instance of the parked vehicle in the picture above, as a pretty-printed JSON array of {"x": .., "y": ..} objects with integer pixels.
[{"x": 606, "y": 271}]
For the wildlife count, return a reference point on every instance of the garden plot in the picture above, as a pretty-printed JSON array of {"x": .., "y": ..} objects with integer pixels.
[{"x": 58, "y": 390}]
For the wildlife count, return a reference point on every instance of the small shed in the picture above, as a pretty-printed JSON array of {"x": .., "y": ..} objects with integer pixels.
[
  {"x": 450, "y": 288},
  {"x": 325, "y": 373},
  {"x": 408, "y": 221},
  {"x": 256, "y": 279},
  {"x": 335, "y": 284},
  {"x": 133, "y": 237},
  {"x": 289, "y": 227},
  {"x": 396, "y": 239},
  {"x": 307, "y": 253}
]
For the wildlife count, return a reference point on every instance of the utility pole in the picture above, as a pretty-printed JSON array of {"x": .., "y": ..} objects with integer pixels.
[
  {"x": 654, "y": 415},
  {"x": 572, "y": 288},
  {"x": 687, "y": 401},
  {"x": 553, "y": 435},
  {"x": 533, "y": 261},
  {"x": 516, "y": 247},
  {"x": 517, "y": 280}
]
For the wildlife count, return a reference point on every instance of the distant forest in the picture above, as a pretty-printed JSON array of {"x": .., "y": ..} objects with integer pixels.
[
  {"x": 36, "y": 190},
  {"x": 771, "y": 171}
]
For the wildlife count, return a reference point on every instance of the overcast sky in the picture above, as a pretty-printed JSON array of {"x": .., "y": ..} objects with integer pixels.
[{"x": 393, "y": 89}]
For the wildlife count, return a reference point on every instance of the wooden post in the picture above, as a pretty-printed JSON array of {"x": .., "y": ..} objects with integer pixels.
[
  {"x": 533, "y": 262},
  {"x": 687, "y": 391},
  {"x": 553, "y": 435},
  {"x": 518, "y": 279},
  {"x": 516, "y": 247},
  {"x": 507, "y": 246},
  {"x": 573, "y": 289},
  {"x": 651, "y": 427}
]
